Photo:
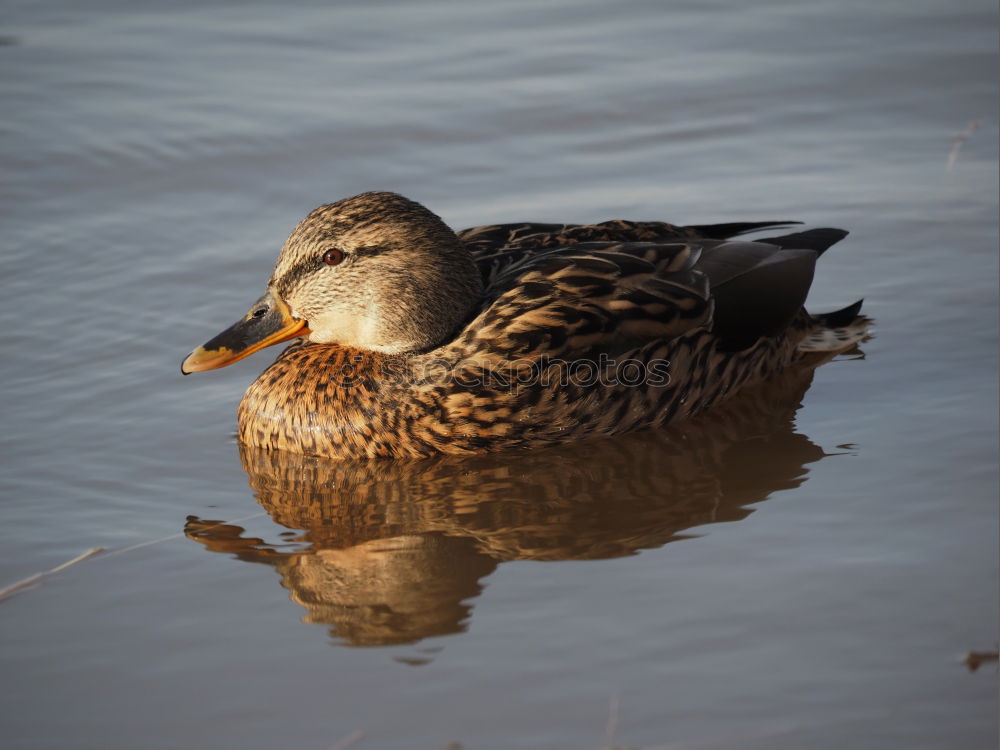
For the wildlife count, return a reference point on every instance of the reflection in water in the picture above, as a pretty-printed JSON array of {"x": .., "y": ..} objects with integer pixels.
[{"x": 391, "y": 550}]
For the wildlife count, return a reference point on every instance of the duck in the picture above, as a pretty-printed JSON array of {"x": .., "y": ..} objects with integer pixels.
[{"x": 409, "y": 339}]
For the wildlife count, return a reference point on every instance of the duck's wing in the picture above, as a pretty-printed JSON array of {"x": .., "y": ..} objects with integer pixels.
[
  {"x": 568, "y": 302},
  {"x": 494, "y": 238},
  {"x": 571, "y": 302},
  {"x": 497, "y": 247}
]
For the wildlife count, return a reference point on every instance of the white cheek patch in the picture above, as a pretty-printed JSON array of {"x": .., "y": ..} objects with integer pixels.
[
  {"x": 345, "y": 328},
  {"x": 368, "y": 330}
]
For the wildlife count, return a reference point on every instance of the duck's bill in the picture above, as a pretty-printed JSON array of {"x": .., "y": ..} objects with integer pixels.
[{"x": 266, "y": 323}]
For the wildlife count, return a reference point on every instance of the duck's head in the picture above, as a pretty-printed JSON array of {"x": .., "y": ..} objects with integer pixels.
[{"x": 376, "y": 272}]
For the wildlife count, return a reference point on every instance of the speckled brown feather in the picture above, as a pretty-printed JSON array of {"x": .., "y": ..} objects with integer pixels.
[{"x": 326, "y": 400}]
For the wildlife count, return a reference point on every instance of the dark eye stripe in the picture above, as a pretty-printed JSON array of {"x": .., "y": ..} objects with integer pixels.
[
  {"x": 287, "y": 281},
  {"x": 367, "y": 252}
]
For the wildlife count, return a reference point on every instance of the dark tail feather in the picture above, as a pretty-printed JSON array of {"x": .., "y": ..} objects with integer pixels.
[
  {"x": 818, "y": 240},
  {"x": 725, "y": 231},
  {"x": 763, "y": 299},
  {"x": 843, "y": 317}
]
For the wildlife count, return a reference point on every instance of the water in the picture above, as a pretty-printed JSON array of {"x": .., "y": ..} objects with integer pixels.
[{"x": 778, "y": 575}]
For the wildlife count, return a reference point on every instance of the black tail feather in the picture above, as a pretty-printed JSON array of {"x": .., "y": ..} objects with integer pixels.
[
  {"x": 763, "y": 299},
  {"x": 838, "y": 318},
  {"x": 725, "y": 231},
  {"x": 818, "y": 240}
]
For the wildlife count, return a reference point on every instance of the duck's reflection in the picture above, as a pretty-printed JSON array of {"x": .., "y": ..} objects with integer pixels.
[{"x": 392, "y": 552}]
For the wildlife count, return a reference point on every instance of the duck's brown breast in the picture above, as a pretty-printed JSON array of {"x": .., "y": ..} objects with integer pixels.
[{"x": 327, "y": 400}]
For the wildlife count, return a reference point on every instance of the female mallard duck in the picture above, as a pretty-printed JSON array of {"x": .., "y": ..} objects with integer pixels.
[{"x": 415, "y": 340}]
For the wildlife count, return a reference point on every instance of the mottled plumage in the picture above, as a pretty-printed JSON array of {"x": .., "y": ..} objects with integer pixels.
[{"x": 421, "y": 341}]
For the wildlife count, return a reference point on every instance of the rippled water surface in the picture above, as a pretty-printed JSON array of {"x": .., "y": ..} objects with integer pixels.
[{"x": 805, "y": 568}]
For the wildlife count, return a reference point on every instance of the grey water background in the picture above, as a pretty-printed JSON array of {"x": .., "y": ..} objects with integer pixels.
[{"x": 156, "y": 155}]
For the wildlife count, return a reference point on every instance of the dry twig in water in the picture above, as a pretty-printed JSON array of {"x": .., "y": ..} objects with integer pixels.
[
  {"x": 33, "y": 580},
  {"x": 350, "y": 740},
  {"x": 30, "y": 581},
  {"x": 975, "y": 659},
  {"x": 960, "y": 138}
]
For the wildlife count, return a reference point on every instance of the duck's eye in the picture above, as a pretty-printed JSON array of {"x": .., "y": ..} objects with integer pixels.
[{"x": 333, "y": 256}]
